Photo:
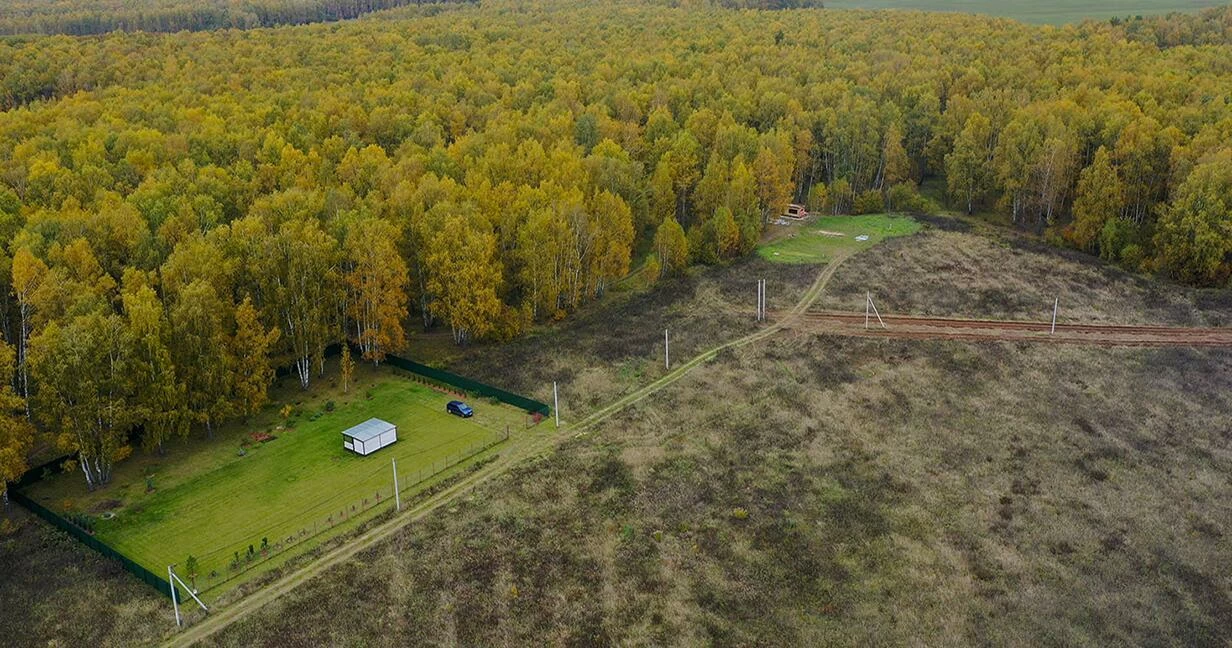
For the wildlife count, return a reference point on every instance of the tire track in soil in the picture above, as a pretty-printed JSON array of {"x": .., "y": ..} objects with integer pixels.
[
  {"x": 528, "y": 448},
  {"x": 911, "y": 327}
]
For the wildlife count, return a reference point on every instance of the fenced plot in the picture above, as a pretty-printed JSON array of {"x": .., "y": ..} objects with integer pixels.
[{"x": 232, "y": 508}]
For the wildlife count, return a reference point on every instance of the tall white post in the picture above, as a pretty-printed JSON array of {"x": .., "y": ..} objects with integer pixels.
[
  {"x": 763, "y": 300},
  {"x": 874, "y": 307},
  {"x": 1055, "y": 304},
  {"x": 175, "y": 604},
  {"x": 868, "y": 301},
  {"x": 667, "y": 363},
  {"x": 397, "y": 495},
  {"x": 556, "y": 403}
]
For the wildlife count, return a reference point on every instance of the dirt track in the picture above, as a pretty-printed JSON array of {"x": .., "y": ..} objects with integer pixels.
[{"x": 975, "y": 330}]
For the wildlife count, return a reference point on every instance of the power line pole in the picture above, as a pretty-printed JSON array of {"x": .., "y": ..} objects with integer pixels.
[
  {"x": 667, "y": 364},
  {"x": 762, "y": 300},
  {"x": 870, "y": 305},
  {"x": 397, "y": 495},
  {"x": 1055, "y": 304},
  {"x": 556, "y": 403},
  {"x": 175, "y": 604}
]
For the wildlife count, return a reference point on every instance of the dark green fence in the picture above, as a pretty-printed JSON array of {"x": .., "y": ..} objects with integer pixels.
[
  {"x": 471, "y": 386},
  {"x": 90, "y": 541},
  {"x": 157, "y": 582},
  {"x": 530, "y": 406}
]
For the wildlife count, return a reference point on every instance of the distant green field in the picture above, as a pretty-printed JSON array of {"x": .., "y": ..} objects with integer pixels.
[
  {"x": 1039, "y": 11},
  {"x": 819, "y": 240},
  {"x": 213, "y": 503}
]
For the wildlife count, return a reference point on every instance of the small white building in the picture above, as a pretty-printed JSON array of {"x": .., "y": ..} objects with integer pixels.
[{"x": 369, "y": 436}]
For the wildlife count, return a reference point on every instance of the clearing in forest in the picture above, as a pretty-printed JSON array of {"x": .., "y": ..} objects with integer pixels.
[
  {"x": 265, "y": 491},
  {"x": 823, "y": 238}
]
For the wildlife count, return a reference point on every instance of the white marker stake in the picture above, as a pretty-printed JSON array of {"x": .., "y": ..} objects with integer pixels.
[
  {"x": 868, "y": 301},
  {"x": 397, "y": 495},
  {"x": 556, "y": 403},
  {"x": 1055, "y": 304}
]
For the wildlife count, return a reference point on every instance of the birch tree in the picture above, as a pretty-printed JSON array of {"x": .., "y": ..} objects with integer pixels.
[
  {"x": 376, "y": 283},
  {"x": 83, "y": 371}
]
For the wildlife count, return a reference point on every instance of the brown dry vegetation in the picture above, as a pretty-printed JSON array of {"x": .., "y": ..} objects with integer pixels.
[
  {"x": 819, "y": 491},
  {"x": 823, "y": 491},
  {"x": 947, "y": 272},
  {"x": 55, "y": 591}
]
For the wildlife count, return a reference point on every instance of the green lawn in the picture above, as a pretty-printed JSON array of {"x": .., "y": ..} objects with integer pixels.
[
  {"x": 817, "y": 241},
  {"x": 211, "y": 502},
  {"x": 1041, "y": 11}
]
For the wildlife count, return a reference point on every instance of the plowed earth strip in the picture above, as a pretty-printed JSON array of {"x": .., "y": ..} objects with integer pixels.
[{"x": 911, "y": 327}]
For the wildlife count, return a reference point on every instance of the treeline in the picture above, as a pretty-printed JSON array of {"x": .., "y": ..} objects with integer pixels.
[
  {"x": 86, "y": 17},
  {"x": 181, "y": 212},
  {"x": 769, "y": 5},
  {"x": 1207, "y": 27}
]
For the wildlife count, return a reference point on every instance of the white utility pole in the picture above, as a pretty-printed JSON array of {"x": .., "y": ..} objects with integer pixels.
[
  {"x": 397, "y": 495},
  {"x": 172, "y": 579},
  {"x": 667, "y": 363},
  {"x": 1055, "y": 304},
  {"x": 870, "y": 305},
  {"x": 175, "y": 604},
  {"x": 556, "y": 403},
  {"x": 761, "y": 300}
]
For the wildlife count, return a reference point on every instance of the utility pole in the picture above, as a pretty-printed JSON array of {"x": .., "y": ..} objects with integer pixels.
[
  {"x": 175, "y": 604},
  {"x": 761, "y": 300},
  {"x": 1055, "y": 304},
  {"x": 397, "y": 495},
  {"x": 667, "y": 364},
  {"x": 556, "y": 403},
  {"x": 868, "y": 304},
  {"x": 172, "y": 579}
]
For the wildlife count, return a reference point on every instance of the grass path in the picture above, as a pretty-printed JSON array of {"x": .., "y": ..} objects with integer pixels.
[{"x": 518, "y": 449}]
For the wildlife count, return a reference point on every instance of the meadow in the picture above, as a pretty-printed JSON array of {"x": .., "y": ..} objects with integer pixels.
[
  {"x": 236, "y": 501},
  {"x": 822, "y": 238},
  {"x": 1054, "y": 12}
]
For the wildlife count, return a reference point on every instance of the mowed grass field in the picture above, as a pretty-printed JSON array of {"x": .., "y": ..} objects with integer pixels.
[
  {"x": 212, "y": 502},
  {"x": 820, "y": 239},
  {"x": 1040, "y": 11}
]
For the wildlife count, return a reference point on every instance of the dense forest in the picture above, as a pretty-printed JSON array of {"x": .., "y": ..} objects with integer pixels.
[
  {"x": 84, "y": 17},
  {"x": 183, "y": 212}
]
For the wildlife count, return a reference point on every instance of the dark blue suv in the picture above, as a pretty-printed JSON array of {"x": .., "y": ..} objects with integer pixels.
[{"x": 458, "y": 408}]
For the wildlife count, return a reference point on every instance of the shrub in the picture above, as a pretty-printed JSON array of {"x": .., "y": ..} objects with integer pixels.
[
  {"x": 869, "y": 202},
  {"x": 329, "y": 406}
]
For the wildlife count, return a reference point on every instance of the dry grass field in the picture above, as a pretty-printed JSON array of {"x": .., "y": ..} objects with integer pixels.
[
  {"x": 816, "y": 490},
  {"x": 824, "y": 491},
  {"x": 947, "y": 271}
]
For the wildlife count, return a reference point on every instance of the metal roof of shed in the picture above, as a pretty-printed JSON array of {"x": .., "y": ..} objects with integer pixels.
[{"x": 370, "y": 429}]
